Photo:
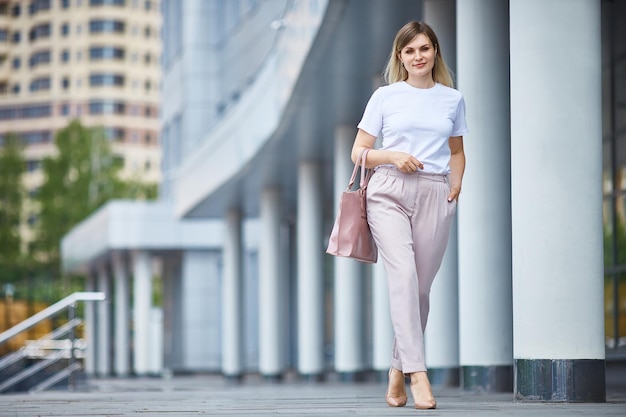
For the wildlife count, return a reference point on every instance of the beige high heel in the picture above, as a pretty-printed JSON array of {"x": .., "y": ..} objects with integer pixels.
[
  {"x": 396, "y": 401},
  {"x": 428, "y": 404}
]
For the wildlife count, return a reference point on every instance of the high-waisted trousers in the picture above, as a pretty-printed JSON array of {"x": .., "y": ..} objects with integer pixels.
[{"x": 410, "y": 218}]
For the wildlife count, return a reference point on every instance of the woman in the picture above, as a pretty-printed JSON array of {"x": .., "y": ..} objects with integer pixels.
[{"x": 412, "y": 195}]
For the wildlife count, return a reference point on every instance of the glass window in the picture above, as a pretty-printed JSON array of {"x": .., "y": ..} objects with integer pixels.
[
  {"x": 17, "y": 62},
  {"x": 65, "y": 29},
  {"x": 106, "y": 79},
  {"x": 106, "y": 52},
  {"x": 40, "y": 84},
  {"x": 32, "y": 219},
  {"x": 16, "y": 89},
  {"x": 65, "y": 4},
  {"x": 16, "y": 37},
  {"x": 39, "y": 58},
  {"x": 65, "y": 83},
  {"x": 65, "y": 109},
  {"x": 107, "y": 2},
  {"x": 114, "y": 134},
  {"x": 107, "y": 107},
  {"x": 106, "y": 25},
  {"x": 40, "y": 31},
  {"x": 31, "y": 164},
  {"x": 65, "y": 55},
  {"x": 26, "y": 112},
  {"x": 16, "y": 10}
]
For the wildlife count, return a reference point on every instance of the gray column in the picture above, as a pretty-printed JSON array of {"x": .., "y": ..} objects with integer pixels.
[
  {"x": 442, "y": 332},
  {"x": 310, "y": 277},
  {"x": 382, "y": 329},
  {"x": 201, "y": 310},
  {"x": 142, "y": 305},
  {"x": 103, "y": 310},
  {"x": 556, "y": 172},
  {"x": 484, "y": 214},
  {"x": 348, "y": 294},
  {"x": 271, "y": 288},
  {"x": 121, "y": 325},
  {"x": 90, "y": 326},
  {"x": 232, "y": 296}
]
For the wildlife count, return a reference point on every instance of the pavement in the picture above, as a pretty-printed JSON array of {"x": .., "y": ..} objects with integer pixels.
[{"x": 212, "y": 395}]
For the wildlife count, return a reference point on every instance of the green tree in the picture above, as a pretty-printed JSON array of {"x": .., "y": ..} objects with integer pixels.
[
  {"x": 12, "y": 167},
  {"x": 80, "y": 178}
]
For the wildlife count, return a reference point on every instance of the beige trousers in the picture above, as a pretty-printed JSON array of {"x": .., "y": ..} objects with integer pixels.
[{"x": 410, "y": 218}]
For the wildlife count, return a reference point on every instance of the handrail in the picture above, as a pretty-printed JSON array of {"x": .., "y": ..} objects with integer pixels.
[
  {"x": 49, "y": 312},
  {"x": 11, "y": 358}
]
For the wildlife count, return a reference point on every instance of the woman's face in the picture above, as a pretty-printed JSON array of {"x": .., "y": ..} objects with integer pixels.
[{"x": 418, "y": 57}]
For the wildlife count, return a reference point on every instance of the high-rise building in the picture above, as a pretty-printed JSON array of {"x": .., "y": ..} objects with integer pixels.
[{"x": 95, "y": 60}]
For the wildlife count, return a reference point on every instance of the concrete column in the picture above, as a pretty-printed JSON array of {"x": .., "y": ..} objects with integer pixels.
[
  {"x": 232, "y": 296},
  {"x": 556, "y": 167},
  {"x": 484, "y": 214},
  {"x": 310, "y": 277},
  {"x": 442, "y": 332},
  {"x": 103, "y": 309},
  {"x": 271, "y": 288},
  {"x": 200, "y": 307},
  {"x": 382, "y": 329},
  {"x": 142, "y": 306},
  {"x": 348, "y": 294},
  {"x": 121, "y": 326},
  {"x": 90, "y": 326}
]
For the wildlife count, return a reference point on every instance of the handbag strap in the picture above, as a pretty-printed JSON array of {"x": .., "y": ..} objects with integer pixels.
[{"x": 365, "y": 176}]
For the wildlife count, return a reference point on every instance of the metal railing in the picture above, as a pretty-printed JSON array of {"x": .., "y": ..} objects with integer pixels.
[{"x": 48, "y": 349}]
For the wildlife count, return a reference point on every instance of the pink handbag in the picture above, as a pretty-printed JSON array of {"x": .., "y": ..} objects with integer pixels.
[{"x": 351, "y": 236}]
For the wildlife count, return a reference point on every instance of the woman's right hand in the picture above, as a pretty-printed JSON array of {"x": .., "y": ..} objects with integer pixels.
[{"x": 405, "y": 162}]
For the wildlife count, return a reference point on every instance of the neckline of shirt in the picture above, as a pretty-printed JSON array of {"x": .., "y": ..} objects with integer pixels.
[{"x": 420, "y": 89}]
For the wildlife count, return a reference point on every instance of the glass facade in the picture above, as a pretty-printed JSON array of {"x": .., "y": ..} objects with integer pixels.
[{"x": 614, "y": 173}]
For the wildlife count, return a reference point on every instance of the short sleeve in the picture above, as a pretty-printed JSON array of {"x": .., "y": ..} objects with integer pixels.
[
  {"x": 372, "y": 120},
  {"x": 460, "y": 125}
]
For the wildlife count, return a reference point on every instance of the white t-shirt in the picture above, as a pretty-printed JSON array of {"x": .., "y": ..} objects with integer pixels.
[{"x": 418, "y": 121}]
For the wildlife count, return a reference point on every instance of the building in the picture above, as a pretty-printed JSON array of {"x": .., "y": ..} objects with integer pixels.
[
  {"x": 261, "y": 100},
  {"x": 96, "y": 60}
]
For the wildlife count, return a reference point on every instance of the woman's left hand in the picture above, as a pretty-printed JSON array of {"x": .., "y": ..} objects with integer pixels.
[{"x": 455, "y": 190}]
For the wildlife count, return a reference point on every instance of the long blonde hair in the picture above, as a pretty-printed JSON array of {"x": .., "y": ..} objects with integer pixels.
[{"x": 395, "y": 71}]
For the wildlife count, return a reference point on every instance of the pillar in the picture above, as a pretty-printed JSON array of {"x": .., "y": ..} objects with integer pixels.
[
  {"x": 103, "y": 310},
  {"x": 442, "y": 331},
  {"x": 382, "y": 329},
  {"x": 556, "y": 167},
  {"x": 484, "y": 211},
  {"x": 271, "y": 288},
  {"x": 348, "y": 290},
  {"x": 232, "y": 296},
  {"x": 310, "y": 277},
  {"x": 142, "y": 306},
  {"x": 121, "y": 325},
  {"x": 201, "y": 307},
  {"x": 90, "y": 326}
]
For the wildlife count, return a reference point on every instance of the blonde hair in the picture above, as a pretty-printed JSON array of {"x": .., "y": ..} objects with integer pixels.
[{"x": 395, "y": 71}]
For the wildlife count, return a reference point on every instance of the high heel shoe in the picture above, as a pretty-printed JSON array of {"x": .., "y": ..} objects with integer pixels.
[
  {"x": 420, "y": 404},
  {"x": 396, "y": 401}
]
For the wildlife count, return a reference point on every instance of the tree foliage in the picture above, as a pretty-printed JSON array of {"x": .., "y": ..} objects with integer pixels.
[
  {"x": 78, "y": 180},
  {"x": 12, "y": 167}
]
